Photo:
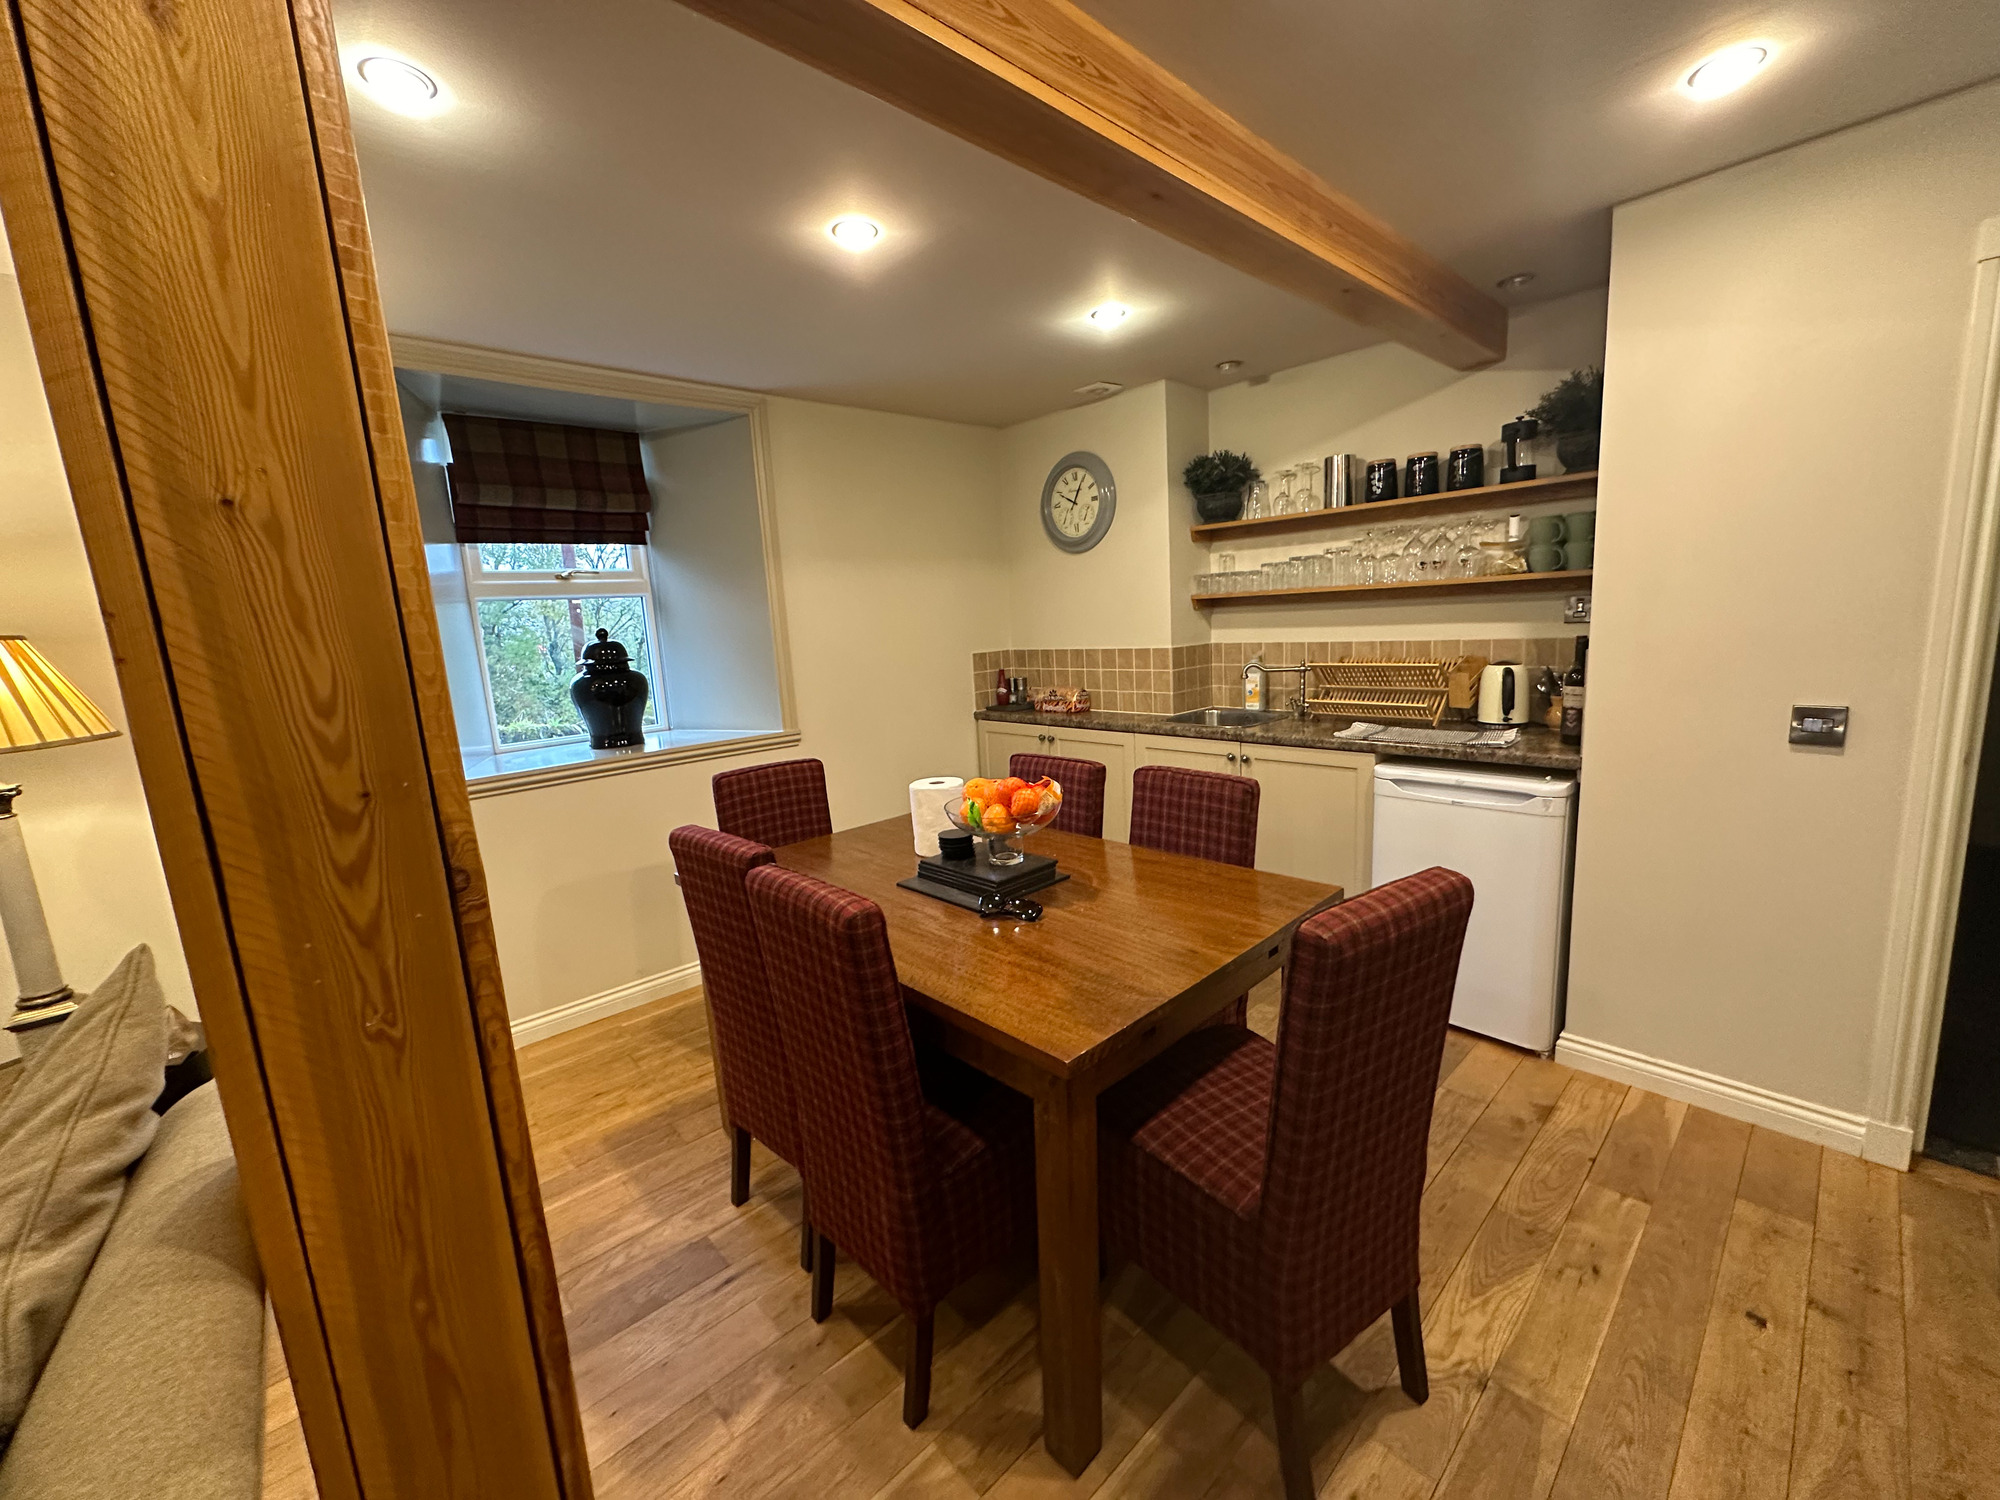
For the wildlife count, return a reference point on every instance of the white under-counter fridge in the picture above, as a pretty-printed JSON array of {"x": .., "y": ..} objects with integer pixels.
[{"x": 1510, "y": 833}]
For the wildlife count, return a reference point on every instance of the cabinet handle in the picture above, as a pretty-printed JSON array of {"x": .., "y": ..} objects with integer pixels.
[
  {"x": 1232, "y": 757},
  {"x": 1246, "y": 757}
]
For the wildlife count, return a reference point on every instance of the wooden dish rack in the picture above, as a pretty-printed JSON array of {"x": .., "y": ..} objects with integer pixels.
[{"x": 1405, "y": 692}]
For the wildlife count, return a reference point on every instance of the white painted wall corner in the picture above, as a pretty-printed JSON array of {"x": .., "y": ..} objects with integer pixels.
[{"x": 558, "y": 1019}]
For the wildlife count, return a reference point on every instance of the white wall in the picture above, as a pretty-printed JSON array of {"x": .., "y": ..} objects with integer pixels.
[
  {"x": 715, "y": 648},
  {"x": 83, "y": 812},
  {"x": 888, "y": 589},
  {"x": 1784, "y": 350},
  {"x": 1117, "y": 593},
  {"x": 1387, "y": 401}
]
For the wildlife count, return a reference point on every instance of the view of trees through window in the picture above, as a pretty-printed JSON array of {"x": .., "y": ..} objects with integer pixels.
[{"x": 534, "y": 643}]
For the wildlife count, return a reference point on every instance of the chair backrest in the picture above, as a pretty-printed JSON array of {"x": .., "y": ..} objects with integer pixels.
[
  {"x": 779, "y": 803},
  {"x": 1082, "y": 783},
  {"x": 1202, "y": 813},
  {"x": 750, "y": 1069},
  {"x": 1360, "y": 1037},
  {"x": 854, "y": 1071}
]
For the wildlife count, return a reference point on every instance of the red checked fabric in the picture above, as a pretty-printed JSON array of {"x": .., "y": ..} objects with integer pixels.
[
  {"x": 780, "y": 803},
  {"x": 514, "y": 481},
  {"x": 749, "y": 1043},
  {"x": 1082, "y": 783},
  {"x": 921, "y": 1192},
  {"x": 1201, "y": 813},
  {"x": 1276, "y": 1190}
]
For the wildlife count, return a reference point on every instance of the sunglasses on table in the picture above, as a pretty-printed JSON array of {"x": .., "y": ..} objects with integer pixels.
[{"x": 1020, "y": 908}]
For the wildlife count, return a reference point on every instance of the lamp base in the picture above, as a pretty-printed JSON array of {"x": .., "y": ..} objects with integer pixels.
[{"x": 42, "y": 1009}]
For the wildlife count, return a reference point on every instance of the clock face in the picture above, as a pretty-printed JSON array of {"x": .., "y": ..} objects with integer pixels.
[
  {"x": 1078, "y": 501},
  {"x": 1073, "y": 503}
]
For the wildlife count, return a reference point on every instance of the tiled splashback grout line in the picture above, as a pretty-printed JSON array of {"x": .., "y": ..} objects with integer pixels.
[{"x": 1171, "y": 679}]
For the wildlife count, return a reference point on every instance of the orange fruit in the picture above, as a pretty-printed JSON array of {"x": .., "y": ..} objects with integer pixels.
[
  {"x": 996, "y": 819},
  {"x": 1007, "y": 787},
  {"x": 979, "y": 789},
  {"x": 1027, "y": 803}
]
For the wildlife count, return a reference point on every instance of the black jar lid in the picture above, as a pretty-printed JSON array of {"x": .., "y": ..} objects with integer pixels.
[{"x": 606, "y": 656}]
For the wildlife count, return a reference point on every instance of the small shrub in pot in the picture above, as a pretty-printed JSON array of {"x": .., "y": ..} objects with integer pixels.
[{"x": 1217, "y": 481}]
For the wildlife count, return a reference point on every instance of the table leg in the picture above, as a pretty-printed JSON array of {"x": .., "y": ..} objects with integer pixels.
[{"x": 1066, "y": 1208}]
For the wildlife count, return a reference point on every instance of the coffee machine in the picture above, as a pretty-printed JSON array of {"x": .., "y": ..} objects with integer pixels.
[{"x": 1514, "y": 434}]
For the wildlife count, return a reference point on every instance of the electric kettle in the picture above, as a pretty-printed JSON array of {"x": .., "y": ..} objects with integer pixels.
[{"x": 1503, "y": 694}]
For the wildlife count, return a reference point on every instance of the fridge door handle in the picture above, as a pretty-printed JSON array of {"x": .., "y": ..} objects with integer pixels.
[{"x": 1463, "y": 796}]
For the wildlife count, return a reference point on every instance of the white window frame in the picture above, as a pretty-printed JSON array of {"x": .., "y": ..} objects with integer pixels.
[{"x": 569, "y": 583}]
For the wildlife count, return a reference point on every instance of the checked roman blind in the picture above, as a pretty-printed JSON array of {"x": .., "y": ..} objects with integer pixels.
[{"x": 514, "y": 481}]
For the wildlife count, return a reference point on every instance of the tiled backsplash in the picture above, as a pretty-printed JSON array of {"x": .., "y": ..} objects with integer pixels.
[{"x": 1164, "y": 680}]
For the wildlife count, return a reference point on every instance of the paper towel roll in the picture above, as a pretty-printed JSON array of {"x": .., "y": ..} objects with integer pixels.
[{"x": 927, "y": 800}]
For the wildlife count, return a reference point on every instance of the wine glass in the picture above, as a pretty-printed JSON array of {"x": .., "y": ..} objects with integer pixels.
[{"x": 1281, "y": 503}]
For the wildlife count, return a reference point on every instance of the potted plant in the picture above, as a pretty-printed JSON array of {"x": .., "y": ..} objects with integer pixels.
[
  {"x": 1574, "y": 411},
  {"x": 1217, "y": 481}
]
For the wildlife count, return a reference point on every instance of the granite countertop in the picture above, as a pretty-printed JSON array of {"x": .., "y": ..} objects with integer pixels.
[{"x": 1539, "y": 747}]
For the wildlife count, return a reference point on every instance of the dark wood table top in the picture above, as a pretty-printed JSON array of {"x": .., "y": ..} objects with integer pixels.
[{"x": 1130, "y": 941}]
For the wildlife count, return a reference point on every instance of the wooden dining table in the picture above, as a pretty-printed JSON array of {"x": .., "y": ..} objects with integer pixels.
[{"x": 1136, "y": 949}]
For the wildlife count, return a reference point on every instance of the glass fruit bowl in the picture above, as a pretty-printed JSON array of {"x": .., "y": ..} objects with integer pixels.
[{"x": 1003, "y": 811}]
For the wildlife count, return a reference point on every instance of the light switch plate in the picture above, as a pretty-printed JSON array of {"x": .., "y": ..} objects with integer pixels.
[
  {"x": 1576, "y": 610},
  {"x": 1819, "y": 724}
]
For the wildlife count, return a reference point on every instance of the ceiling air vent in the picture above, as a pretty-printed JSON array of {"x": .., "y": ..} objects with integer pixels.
[{"x": 1099, "y": 388}]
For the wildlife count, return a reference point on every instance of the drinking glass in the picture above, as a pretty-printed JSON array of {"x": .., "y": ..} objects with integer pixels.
[
  {"x": 1269, "y": 576},
  {"x": 1281, "y": 503},
  {"x": 1254, "y": 508},
  {"x": 1305, "y": 492}
]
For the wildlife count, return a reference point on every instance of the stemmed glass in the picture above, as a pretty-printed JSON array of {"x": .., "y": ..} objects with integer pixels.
[
  {"x": 1302, "y": 494},
  {"x": 1281, "y": 503}
]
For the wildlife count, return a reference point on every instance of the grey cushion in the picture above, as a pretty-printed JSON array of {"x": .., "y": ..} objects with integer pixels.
[
  {"x": 69, "y": 1130},
  {"x": 156, "y": 1388}
]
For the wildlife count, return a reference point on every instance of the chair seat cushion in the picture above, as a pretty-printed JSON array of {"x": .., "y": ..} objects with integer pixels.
[
  {"x": 1181, "y": 1158},
  {"x": 1202, "y": 1110}
]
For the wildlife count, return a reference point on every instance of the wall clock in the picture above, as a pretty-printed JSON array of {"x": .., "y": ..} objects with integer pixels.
[{"x": 1078, "y": 501}]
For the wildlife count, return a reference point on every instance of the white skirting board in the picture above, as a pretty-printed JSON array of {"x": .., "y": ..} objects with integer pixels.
[
  {"x": 1854, "y": 1134},
  {"x": 554, "y": 1022}
]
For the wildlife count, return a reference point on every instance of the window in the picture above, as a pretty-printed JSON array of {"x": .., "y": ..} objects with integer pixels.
[{"x": 535, "y": 606}]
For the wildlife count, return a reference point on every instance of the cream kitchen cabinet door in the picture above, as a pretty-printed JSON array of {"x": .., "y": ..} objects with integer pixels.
[
  {"x": 999, "y": 742},
  {"x": 1222, "y": 756},
  {"x": 1315, "y": 813},
  {"x": 1114, "y": 752}
]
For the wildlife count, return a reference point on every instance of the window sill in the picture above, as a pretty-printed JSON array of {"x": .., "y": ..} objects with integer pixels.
[{"x": 524, "y": 770}]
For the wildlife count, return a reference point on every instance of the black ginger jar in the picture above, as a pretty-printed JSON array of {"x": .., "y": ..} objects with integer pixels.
[{"x": 611, "y": 696}]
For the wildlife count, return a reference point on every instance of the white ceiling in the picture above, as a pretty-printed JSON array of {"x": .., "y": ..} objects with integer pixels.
[
  {"x": 496, "y": 398},
  {"x": 625, "y": 183}
]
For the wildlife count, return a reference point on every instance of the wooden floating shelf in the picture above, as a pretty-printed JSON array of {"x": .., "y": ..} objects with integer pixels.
[
  {"x": 1562, "y": 582},
  {"x": 1527, "y": 492}
]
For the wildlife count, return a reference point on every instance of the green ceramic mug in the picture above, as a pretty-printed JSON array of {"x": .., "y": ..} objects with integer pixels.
[
  {"x": 1546, "y": 557},
  {"x": 1546, "y": 531},
  {"x": 1578, "y": 554},
  {"x": 1581, "y": 526}
]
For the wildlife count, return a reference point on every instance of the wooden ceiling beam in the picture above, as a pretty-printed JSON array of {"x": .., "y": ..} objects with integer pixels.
[{"x": 1049, "y": 88}]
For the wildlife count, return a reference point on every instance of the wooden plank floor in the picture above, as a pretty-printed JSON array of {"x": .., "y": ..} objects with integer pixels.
[{"x": 1624, "y": 1299}]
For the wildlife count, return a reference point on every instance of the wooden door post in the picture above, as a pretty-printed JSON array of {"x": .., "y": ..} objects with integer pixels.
[{"x": 180, "y": 191}]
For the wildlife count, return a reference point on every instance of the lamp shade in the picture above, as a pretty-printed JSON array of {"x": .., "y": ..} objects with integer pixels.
[{"x": 39, "y": 706}]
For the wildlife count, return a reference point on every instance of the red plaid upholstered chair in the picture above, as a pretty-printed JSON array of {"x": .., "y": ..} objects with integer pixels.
[
  {"x": 1202, "y": 813},
  {"x": 780, "y": 803},
  {"x": 922, "y": 1188},
  {"x": 1082, "y": 783},
  {"x": 751, "y": 1077},
  {"x": 1276, "y": 1189}
]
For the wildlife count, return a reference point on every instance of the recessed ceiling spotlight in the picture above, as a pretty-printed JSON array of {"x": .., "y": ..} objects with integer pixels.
[
  {"x": 1726, "y": 71},
  {"x": 1109, "y": 314},
  {"x": 855, "y": 232},
  {"x": 1515, "y": 282},
  {"x": 1228, "y": 365},
  {"x": 399, "y": 84}
]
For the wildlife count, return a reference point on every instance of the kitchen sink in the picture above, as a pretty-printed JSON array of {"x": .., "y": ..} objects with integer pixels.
[{"x": 1227, "y": 718}]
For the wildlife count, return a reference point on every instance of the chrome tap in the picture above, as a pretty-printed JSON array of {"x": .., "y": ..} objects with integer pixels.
[{"x": 1256, "y": 664}]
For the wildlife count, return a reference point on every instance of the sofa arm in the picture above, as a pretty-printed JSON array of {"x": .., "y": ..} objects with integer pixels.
[{"x": 156, "y": 1387}]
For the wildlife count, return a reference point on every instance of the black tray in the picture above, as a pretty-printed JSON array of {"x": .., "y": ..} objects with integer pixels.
[
  {"x": 969, "y": 899},
  {"x": 982, "y": 877}
]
